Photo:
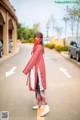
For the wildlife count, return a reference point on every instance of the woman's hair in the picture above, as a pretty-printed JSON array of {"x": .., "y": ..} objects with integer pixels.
[{"x": 40, "y": 35}]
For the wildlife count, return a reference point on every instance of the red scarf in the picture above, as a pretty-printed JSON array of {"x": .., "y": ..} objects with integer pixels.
[{"x": 36, "y": 42}]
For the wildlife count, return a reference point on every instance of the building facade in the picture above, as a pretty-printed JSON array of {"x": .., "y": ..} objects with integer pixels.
[{"x": 8, "y": 25}]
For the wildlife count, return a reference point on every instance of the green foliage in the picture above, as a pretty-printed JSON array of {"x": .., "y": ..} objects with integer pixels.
[
  {"x": 23, "y": 41},
  {"x": 65, "y": 48},
  {"x": 50, "y": 45},
  {"x": 19, "y": 31},
  {"x": 57, "y": 47},
  {"x": 36, "y": 27},
  {"x": 25, "y": 33},
  {"x": 73, "y": 18},
  {"x": 61, "y": 48},
  {"x": 31, "y": 33},
  {"x": 30, "y": 40}
]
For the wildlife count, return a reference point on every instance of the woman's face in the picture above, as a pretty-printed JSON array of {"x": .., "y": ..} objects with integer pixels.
[{"x": 37, "y": 38}]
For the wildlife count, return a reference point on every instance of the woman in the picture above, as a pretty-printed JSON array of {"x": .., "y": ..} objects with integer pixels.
[{"x": 37, "y": 74}]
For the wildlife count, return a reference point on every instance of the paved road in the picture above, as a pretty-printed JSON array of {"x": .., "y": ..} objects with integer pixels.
[{"x": 63, "y": 87}]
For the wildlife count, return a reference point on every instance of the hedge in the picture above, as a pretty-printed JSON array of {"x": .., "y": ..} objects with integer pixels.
[
  {"x": 23, "y": 41},
  {"x": 31, "y": 40},
  {"x": 61, "y": 48},
  {"x": 57, "y": 47},
  {"x": 50, "y": 45}
]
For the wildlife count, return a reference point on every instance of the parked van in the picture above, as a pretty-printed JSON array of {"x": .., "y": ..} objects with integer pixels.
[
  {"x": 1, "y": 49},
  {"x": 74, "y": 49},
  {"x": 10, "y": 45}
]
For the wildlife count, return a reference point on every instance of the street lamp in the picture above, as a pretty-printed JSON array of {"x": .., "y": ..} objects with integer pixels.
[
  {"x": 72, "y": 25},
  {"x": 65, "y": 20},
  {"x": 47, "y": 30},
  {"x": 78, "y": 22}
]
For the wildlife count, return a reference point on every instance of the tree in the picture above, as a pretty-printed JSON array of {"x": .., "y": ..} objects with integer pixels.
[
  {"x": 36, "y": 27},
  {"x": 31, "y": 33},
  {"x": 19, "y": 31},
  {"x": 51, "y": 23},
  {"x": 47, "y": 27},
  {"x": 26, "y": 32},
  {"x": 58, "y": 31},
  {"x": 74, "y": 18}
]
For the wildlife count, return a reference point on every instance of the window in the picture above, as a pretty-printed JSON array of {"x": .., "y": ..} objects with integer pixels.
[
  {"x": 73, "y": 43},
  {"x": 78, "y": 43}
]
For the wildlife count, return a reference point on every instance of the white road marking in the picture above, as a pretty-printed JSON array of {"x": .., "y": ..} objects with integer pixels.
[
  {"x": 65, "y": 72},
  {"x": 10, "y": 72}
]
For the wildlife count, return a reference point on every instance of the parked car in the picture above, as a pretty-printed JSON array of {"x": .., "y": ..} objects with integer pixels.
[
  {"x": 74, "y": 49},
  {"x": 10, "y": 45},
  {"x": 1, "y": 49},
  {"x": 46, "y": 40}
]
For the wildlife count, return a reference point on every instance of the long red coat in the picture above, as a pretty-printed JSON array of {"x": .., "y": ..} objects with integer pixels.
[{"x": 37, "y": 61}]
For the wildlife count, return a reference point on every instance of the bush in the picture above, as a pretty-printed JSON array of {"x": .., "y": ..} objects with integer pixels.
[
  {"x": 58, "y": 48},
  {"x": 50, "y": 45},
  {"x": 61, "y": 48},
  {"x": 31, "y": 40},
  {"x": 65, "y": 48},
  {"x": 23, "y": 41}
]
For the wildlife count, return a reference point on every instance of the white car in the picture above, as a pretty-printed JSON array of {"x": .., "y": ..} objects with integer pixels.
[
  {"x": 46, "y": 40},
  {"x": 1, "y": 49},
  {"x": 10, "y": 45}
]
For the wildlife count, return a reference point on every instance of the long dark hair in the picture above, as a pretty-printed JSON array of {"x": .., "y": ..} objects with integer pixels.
[{"x": 40, "y": 35}]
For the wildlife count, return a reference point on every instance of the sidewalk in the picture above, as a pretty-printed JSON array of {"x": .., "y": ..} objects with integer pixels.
[
  {"x": 10, "y": 55},
  {"x": 65, "y": 54}
]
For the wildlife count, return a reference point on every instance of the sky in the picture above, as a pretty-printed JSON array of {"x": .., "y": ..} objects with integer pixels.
[{"x": 30, "y": 12}]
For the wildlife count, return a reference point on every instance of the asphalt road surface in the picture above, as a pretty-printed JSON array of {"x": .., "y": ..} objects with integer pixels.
[{"x": 62, "y": 93}]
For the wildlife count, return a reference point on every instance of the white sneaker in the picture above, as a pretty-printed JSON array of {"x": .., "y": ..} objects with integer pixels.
[
  {"x": 42, "y": 106},
  {"x": 46, "y": 110},
  {"x": 35, "y": 107}
]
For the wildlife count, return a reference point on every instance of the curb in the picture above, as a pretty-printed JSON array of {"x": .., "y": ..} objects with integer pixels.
[
  {"x": 65, "y": 55},
  {"x": 10, "y": 55}
]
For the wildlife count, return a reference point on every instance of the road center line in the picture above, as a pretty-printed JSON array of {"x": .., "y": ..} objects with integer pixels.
[{"x": 39, "y": 111}]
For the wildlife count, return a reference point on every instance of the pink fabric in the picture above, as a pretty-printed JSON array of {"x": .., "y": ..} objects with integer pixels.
[
  {"x": 37, "y": 60},
  {"x": 36, "y": 42}
]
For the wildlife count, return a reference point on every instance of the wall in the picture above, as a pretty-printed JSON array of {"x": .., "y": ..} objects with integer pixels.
[
  {"x": 1, "y": 33},
  {"x": 56, "y": 41}
]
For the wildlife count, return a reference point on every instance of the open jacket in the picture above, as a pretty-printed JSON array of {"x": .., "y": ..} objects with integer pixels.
[{"x": 36, "y": 62}]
